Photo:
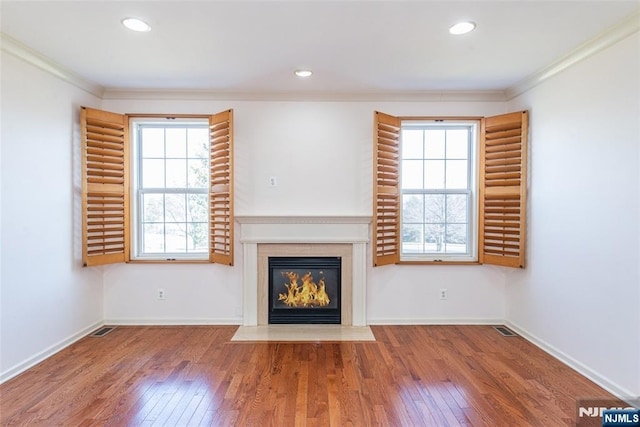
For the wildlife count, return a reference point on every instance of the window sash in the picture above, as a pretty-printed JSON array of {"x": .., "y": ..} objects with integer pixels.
[
  {"x": 138, "y": 246},
  {"x": 470, "y": 253},
  {"x": 140, "y": 239}
]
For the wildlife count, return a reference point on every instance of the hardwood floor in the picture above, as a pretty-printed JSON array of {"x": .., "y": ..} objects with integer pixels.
[{"x": 183, "y": 376}]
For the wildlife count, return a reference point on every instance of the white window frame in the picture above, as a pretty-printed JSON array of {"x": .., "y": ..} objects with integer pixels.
[
  {"x": 137, "y": 191},
  {"x": 472, "y": 215}
]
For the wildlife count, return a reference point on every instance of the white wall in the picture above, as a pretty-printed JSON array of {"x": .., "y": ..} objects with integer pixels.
[
  {"x": 48, "y": 299},
  {"x": 580, "y": 293},
  {"x": 321, "y": 154}
]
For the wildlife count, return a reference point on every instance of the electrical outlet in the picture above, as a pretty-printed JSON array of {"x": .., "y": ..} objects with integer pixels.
[
  {"x": 443, "y": 294},
  {"x": 161, "y": 294},
  {"x": 273, "y": 181}
]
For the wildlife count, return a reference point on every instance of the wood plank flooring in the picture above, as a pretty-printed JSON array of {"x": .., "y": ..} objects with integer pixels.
[{"x": 195, "y": 376}]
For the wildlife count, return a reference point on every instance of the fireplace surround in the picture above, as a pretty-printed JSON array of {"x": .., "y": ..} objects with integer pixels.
[{"x": 293, "y": 236}]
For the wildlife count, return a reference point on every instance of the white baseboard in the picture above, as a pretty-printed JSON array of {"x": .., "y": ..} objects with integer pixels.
[
  {"x": 45, "y": 354},
  {"x": 584, "y": 370},
  {"x": 435, "y": 321},
  {"x": 163, "y": 321}
]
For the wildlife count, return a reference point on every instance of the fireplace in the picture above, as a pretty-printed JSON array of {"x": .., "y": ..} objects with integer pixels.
[
  {"x": 263, "y": 237},
  {"x": 304, "y": 290}
]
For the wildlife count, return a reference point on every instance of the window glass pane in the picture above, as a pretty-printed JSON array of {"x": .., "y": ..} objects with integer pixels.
[
  {"x": 456, "y": 238},
  {"x": 175, "y": 208},
  {"x": 153, "y": 207},
  {"x": 457, "y": 144},
  {"x": 152, "y": 142},
  {"x": 176, "y": 237},
  {"x": 412, "y": 238},
  {"x": 457, "y": 208},
  {"x": 153, "y": 237},
  {"x": 197, "y": 142},
  {"x": 198, "y": 173},
  {"x": 434, "y": 208},
  {"x": 435, "y": 186},
  {"x": 197, "y": 207},
  {"x": 434, "y": 174},
  {"x": 176, "y": 142},
  {"x": 412, "y": 174},
  {"x": 198, "y": 235},
  {"x": 152, "y": 173},
  {"x": 434, "y": 238},
  {"x": 176, "y": 173},
  {"x": 457, "y": 174},
  {"x": 434, "y": 143},
  {"x": 412, "y": 208},
  {"x": 412, "y": 144}
]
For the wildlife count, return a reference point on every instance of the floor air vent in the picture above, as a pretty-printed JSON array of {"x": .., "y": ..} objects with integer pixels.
[
  {"x": 102, "y": 331},
  {"x": 505, "y": 332}
]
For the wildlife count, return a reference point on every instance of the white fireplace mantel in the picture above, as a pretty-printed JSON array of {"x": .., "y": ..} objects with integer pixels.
[{"x": 308, "y": 230}]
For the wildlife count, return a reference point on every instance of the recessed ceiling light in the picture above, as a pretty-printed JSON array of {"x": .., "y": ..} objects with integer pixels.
[
  {"x": 462, "y": 28},
  {"x": 303, "y": 73},
  {"x": 136, "y": 24}
]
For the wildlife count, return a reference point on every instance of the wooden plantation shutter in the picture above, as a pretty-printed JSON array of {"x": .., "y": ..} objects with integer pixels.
[
  {"x": 105, "y": 187},
  {"x": 386, "y": 189},
  {"x": 221, "y": 189},
  {"x": 503, "y": 188}
]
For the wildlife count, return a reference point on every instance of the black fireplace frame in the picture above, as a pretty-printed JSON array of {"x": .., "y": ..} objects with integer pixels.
[{"x": 310, "y": 315}]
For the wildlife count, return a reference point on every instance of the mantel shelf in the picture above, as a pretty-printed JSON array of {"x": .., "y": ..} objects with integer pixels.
[{"x": 303, "y": 219}]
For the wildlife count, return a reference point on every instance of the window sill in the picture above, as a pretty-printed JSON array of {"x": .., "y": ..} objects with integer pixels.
[
  {"x": 169, "y": 261},
  {"x": 425, "y": 262}
]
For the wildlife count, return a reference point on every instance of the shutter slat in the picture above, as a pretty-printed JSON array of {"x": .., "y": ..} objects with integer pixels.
[
  {"x": 106, "y": 131},
  {"x": 96, "y": 139},
  {"x": 386, "y": 189},
  {"x": 221, "y": 188},
  {"x": 105, "y": 208},
  {"x": 504, "y": 147},
  {"x": 503, "y": 163}
]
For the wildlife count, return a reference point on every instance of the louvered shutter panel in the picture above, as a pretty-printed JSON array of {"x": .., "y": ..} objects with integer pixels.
[
  {"x": 221, "y": 189},
  {"x": 105, "y": 190},
  {"x": 386, "y": 189},
  {"x": 503, "y": 189}
]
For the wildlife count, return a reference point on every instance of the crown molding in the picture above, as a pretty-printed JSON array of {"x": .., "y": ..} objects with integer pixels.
[
  {"x": 326, "y": 96},
  {"x": 607, "y": 38},
  {"x": 24, "y": 52}
]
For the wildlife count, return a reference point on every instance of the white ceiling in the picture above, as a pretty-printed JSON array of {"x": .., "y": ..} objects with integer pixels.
[{"x": 352, "y": 46}]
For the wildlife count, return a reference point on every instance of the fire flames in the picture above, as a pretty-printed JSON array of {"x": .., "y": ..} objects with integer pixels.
[{"x": 306, "y": 295}]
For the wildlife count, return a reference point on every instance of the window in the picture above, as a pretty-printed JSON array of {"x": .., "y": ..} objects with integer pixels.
[
  {"x": 167, "y": 183},
  {"x": 171, "y": 188},
  {"x": 438, "y": 190},
  {"x": 425, "y": 198}
]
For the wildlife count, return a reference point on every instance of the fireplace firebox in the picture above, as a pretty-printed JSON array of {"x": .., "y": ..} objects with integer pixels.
[{"x": 304, "y": 290}]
